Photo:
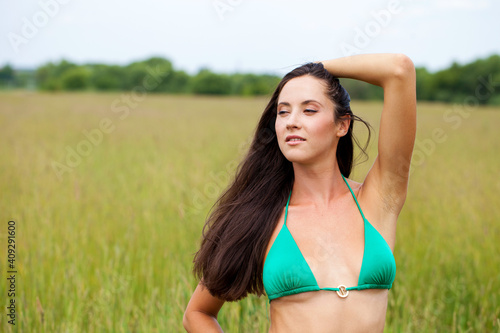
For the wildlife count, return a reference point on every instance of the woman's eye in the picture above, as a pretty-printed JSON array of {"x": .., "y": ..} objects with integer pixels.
[{"x": 306, "y": 110}]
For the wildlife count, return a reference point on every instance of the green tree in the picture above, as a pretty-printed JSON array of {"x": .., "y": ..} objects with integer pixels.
[
  {"x": 258, "y": 84},
  {"x": 134, "y": 75},
  {"x": 424, "y": 87},
  {"x": 153, "y": 74},
  {"x": 179, "y": 82},
  {"x": 43, "y": 74},
  {"x": 362, "y": 90},
  {"x": 161, "y": 71},
  {"x": 207, "y": 82},
  {"x": 7, "y": 76},
  {"x": 49, "y": 76},
  {"x": 104, "y": 77},
  {"x": 75, "y": 79}
]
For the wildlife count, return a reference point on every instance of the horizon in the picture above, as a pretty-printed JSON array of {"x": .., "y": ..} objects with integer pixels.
[{"x": 228, "y": 73}]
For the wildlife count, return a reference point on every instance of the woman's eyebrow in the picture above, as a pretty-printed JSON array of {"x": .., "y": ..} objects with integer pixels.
[{"x": 303, "y": 103}]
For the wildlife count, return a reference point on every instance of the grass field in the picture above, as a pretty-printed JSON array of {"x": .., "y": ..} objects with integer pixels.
[{"x": 107, "y": 224}]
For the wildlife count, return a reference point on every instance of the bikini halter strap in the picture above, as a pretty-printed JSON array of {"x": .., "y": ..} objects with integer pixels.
[{"x": 350, "y": 190}]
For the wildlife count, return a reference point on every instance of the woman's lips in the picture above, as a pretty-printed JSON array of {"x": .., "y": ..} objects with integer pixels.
[{"x": 294, "y": 140}]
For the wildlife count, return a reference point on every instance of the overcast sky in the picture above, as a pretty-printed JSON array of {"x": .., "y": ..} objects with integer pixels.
[{"x": 245, "y": 35}]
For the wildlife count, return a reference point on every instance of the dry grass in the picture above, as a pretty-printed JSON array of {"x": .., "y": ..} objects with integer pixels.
[{"x": 107, "y": 245}]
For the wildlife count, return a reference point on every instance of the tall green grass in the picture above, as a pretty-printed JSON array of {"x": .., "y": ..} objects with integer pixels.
[{"x": 109, "y": 246}]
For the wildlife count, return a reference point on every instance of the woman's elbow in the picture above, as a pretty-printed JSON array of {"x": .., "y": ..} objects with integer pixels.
[
  {"x": 185, "y": 321},
  {"x": 196, "y": 321},
  {"x": 403, "y": 67},
  {"x": 188, "y": 321}
]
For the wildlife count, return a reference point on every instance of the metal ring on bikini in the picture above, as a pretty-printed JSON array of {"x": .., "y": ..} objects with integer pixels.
[{"x": 342, "y": 292}]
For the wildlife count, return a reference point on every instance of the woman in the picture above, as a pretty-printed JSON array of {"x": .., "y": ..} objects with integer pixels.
[{"x": 293, "y": 225}]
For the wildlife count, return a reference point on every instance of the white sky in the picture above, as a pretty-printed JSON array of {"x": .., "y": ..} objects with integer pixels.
[{"x": 246, "y": 35}]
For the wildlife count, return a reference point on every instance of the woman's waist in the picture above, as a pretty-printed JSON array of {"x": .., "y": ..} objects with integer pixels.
[{"x": 326, "y": 311}]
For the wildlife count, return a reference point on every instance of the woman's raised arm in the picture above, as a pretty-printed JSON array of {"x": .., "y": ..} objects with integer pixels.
[{"x": 395, "y": 73}]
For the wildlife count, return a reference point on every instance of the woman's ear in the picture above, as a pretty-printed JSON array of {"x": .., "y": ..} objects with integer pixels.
[{"x": 344, "y": 123}]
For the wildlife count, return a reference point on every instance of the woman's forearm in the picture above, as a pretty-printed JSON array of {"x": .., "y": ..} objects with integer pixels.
[{"x": 378, "y": 69}]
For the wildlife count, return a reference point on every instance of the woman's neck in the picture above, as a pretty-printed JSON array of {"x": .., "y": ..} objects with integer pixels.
[{"x": 317, "y": 184}]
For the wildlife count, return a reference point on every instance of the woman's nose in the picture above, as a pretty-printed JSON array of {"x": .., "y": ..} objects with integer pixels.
[{"x": 293, "y": 120}]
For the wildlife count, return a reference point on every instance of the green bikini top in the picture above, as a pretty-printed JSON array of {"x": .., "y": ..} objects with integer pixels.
[{"x": 286, "y": 271}]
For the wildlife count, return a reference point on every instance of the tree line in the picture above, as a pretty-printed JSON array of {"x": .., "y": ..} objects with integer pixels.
[
  {"x": 479, "y": 79},
  {"x": 67, "y": 76}
]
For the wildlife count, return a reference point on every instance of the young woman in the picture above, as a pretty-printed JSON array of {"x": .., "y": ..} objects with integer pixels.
[{"x": 293, "y": 225}]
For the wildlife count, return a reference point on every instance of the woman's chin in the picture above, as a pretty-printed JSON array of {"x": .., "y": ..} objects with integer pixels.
[{"x": 298, "y": 158}]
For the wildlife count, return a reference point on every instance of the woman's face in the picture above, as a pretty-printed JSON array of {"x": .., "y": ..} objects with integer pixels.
[{"x": 305, "y": 111}]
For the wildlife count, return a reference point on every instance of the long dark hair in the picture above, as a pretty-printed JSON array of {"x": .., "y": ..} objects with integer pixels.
[{"x": 237, "y": 232}]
